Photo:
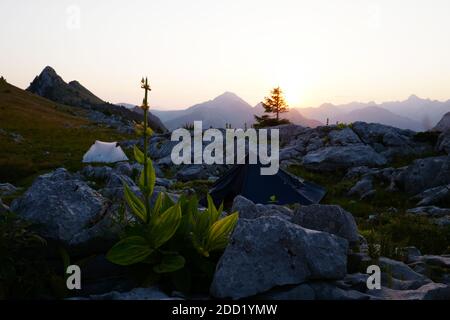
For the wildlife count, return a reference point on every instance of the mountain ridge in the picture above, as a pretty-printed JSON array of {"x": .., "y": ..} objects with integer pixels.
[{"x": 50, "y": 85}]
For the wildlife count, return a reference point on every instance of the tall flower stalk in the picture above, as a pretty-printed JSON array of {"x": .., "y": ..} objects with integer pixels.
[{"x": 145, "y": 107}]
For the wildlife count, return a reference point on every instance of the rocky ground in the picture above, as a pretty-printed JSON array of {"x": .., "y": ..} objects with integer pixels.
[{"x": 374, "y": 175}]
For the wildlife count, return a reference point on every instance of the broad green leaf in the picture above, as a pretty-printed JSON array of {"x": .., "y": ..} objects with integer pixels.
[
  {"x": 156, "y": 210},
  {"x": 129, "y": 251},
  {"x": 220, "y": 231},
  {"x": 167, "y": 203},
  {"x": 138, "y": 155},
  {"x": 148, "y": 172},
  {"x": 214, "y": 214},
  {"x": 164, "y": 226},
  {"x": 170, "y": 263},
  {"x": 136, "y": 205}
]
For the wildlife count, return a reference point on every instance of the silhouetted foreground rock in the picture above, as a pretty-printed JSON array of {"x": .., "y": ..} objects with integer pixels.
[
  {"x": 269, "y": 251},
  {"x": 64, "y": 208}
]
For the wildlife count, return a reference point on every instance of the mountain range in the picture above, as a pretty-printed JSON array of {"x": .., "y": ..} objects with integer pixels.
[
  {"x": 413, "y": 113},
  {"x": 228, "y": 108}
]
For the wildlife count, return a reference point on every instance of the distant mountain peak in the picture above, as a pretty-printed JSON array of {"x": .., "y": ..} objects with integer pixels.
[
  {"x": 48, "y": 70},
  {"x": 414, "y": 97},
  {"x": 228, "y": 95},
  {"x": 47, "y": 79}
]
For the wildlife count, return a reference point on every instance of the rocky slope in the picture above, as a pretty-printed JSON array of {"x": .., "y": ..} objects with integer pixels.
[{"x": 277, "y": 252}]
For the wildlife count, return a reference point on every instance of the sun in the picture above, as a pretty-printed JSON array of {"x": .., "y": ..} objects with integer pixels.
[{"x": 292, "y": 81}]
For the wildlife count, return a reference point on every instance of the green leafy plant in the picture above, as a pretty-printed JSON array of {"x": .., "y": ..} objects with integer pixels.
[
  {"x": 209, "y": 232},
  {"x": 164, "y": 233}
]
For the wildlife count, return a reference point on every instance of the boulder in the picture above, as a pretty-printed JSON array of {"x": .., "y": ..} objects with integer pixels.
[
  {"x": 439, "y": 261},
  {"x": 433, "y": 196},
  {"x": 343, "y": 137},
  {"x": 327, "y": 218},
  {"x": 288, "y": 132},
  {"x": 198, "y": 172},
  {"x": 401, "y": 271},
  {"x": 66, "y": 210},
  {"x": 114, "y": 186},
  {"x": 269, "y": 251},
  {"x": 389, "y": 141},
  {"x": 7, "y": 189},
  {"x": 96, "y": 173},
  {"x": 411, "y": 254},
  {"x": 425, "y": 173},
  {"x": 167, "y": 183},
  {"x": 430, "y": 211},
  {"x": 362, "y": 187},
  {"x": 248, "y": 210},
  {"x": 124, "y": 168},
  {"x": 333, "y": 158},
  {"x": 357, "y": 172}
]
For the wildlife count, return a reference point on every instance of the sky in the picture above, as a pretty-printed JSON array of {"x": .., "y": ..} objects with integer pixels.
[{"x": 318, "y": 51}]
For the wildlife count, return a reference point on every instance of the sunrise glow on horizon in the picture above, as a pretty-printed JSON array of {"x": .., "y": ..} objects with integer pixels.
[{"x": 316, "y": 51}]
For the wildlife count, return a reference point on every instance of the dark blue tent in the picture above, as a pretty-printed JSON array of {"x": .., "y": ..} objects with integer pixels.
[{"x": 246, "y": 180}]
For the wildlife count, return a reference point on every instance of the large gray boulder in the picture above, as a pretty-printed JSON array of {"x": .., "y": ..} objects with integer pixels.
[
  {"x": 66, "y": 209},
  {"x": 269, "y": 251},
  {"x": 328, "y": 218},
  {"x": 332, "y": 158},
  {"x": 425, "y": 173}
]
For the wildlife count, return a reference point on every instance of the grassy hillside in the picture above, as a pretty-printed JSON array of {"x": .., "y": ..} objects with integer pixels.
[{"x": 37, "y": 134}]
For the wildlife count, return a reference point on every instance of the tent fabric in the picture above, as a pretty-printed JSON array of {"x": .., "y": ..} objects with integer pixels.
[
  {"x": 105, "y": 152},
  {"x": 246, "y": 180}
]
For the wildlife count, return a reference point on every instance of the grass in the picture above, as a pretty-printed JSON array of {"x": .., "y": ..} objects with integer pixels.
[
  {"x": 390, "y": 230},
  {"x": 201, "y": 187},
  {"x": 53, "y": 135}
]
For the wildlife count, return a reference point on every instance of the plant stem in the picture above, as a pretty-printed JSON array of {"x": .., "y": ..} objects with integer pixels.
[{"x": 146, "y": 192}]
